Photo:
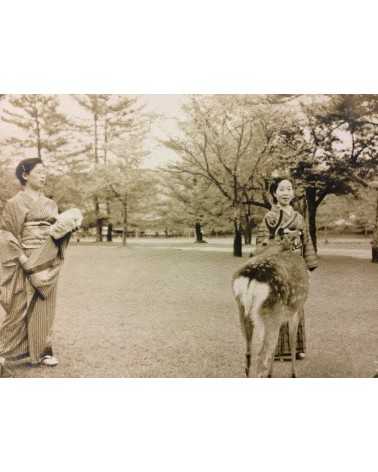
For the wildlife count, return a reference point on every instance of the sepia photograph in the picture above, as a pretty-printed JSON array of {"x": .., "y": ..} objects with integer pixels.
[
  {"x": 188, "y": 236},
  {"x": 176, "y": 236}
]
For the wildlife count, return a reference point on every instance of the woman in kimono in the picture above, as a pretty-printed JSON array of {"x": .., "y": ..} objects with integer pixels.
[
  {"x": 31, "y": 254},
  {"x": 283, "y": 222}
]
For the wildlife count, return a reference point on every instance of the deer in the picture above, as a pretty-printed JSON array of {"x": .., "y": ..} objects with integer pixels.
[{"x": 270, "y": 288}]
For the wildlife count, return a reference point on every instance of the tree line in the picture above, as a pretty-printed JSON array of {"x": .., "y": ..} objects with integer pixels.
[
  {"x": 228, "y": 148},
  {"x": 237, "y": 143},
  {"x": 94, "y": 157}
]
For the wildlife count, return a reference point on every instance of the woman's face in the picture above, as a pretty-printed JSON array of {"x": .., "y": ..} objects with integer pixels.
[
  {"x": 36, "y": 179},
  {"x": 284, "y": 193}
]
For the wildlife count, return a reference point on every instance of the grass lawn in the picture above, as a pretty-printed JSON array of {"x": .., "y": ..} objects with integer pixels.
[{"x": 153, "y": 311}]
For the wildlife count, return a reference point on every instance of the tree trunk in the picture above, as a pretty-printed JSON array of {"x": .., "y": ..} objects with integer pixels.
[
  {"x": 98, "y": 220},
  {"x": 124, "y": 232},
  {"x": 374, "y": 254},
  {"x": 238, "y": 242},
  {"x": 106, "y": 142},
  {"x": 97, "y": 204},
  {"x": 38, "y": 132},
  {"x": 248, "y": 232},
  {"x": 248, "y": 225},
  {"x": 374, "y": 243},
  {"x": 95, "y": 137},
  {"x": 198, "y": 232},
  {"x": 109, "y": 234},
  {"x": 311, "y": 214},
  {"x": 99, "y": 238}
]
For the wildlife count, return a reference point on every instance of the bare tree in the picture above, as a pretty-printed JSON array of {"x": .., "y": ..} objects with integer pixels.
[{"x": 231, "y": 142}]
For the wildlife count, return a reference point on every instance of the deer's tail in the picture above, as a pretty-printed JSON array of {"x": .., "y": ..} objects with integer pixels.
[{"x": 251, "y": 294}]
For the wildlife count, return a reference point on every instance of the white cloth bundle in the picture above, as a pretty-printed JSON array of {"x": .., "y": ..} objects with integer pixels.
[{"x": 66, "y": 222}]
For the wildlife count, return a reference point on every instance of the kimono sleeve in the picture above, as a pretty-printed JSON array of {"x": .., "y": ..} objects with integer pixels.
[{"x": 11, "y": 223}]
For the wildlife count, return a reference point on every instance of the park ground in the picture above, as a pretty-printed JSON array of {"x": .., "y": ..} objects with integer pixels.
[{"x": 164, "y": 308}]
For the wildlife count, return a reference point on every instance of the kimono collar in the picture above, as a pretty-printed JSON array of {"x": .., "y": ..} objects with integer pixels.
[
  {"x": 273, "y": 215},
  {"x": 29, "y": 200}
]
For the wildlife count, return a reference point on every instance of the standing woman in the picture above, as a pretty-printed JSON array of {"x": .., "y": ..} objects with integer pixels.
[
  {"x": 283, "y": 222},
  {"x": 30, "y": 263}
]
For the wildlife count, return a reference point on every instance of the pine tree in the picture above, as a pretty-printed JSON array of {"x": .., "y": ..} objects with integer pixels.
[
  {"x": 41, "y": 126},
  {"x": 109, "y": 119},
  {"x": 130, "y": 189}
]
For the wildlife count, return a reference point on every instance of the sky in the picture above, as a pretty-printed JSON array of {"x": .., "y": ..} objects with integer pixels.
[{"x": 168, "y": 107}]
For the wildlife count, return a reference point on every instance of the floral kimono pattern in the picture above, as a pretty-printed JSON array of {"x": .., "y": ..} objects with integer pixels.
[{"x": 279, "y": 225}]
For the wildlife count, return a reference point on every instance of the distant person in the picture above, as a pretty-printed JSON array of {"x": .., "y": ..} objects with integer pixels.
[
  {"x": 32, "y": 244},
  {"x": 283, "y": 222}
]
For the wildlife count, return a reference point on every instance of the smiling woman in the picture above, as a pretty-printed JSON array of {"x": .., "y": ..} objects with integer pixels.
[
  {"x": 283, "y": 224},
  {"x": 28, "y": 293}
]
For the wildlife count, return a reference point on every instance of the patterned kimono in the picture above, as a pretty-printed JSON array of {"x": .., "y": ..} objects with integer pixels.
[
  {"x": 28, "y": 292},
  {"x": 279, "y": 225}
]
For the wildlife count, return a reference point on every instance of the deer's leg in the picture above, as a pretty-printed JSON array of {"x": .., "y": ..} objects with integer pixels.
[
  {"x": 249, "y": 335},
  {"x": 247, "y": 330},
  {"x": 272, "y": 325},
  {"x": 293, "y": 333},
  {"x": 272, "y": 350},
  {"x": 258, "y": 367},
  {"x": 253, "y": 322}
]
